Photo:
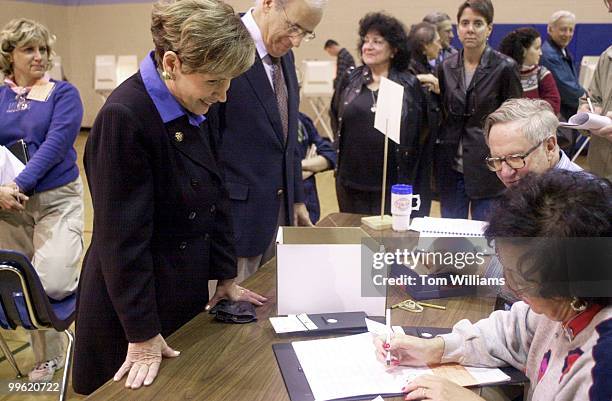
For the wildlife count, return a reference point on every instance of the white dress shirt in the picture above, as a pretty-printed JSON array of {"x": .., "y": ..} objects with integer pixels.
[{"x": 251, "y": 26}]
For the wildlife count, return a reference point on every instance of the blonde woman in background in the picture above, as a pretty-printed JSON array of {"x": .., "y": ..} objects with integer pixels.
[{"x": 48, "y": 227}]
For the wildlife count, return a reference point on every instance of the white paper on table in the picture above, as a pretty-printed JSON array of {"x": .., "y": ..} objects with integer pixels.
[
  {"x": 389, "y": 109},
  {"x": 398, "y": 330},
  {"x": 287, "y": 324},
  {"x": 10, "y": 166},
  {"x": 292, "y": 323},
  {"x": 376, "y": 328},
  {"x": 487, "y": 375},
  {"x": 347, "y": 366},
  {"x": 379, "y": 398},
  {"x": 587, "y": 121}
]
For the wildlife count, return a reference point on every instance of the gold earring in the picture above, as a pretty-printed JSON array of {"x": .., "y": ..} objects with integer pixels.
[
  {"x": 166, "y": 75},
  {"x": 578, "y": 305}
]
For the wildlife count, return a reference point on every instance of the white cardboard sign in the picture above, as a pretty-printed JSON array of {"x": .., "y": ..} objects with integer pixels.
[{"x": 388, "y": 117}]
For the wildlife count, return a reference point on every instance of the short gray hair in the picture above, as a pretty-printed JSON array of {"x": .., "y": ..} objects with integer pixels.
[
  {"x": 207, "y": 35},
  {"x": 536, "y": 116},
  {"x": 20, "y": 32},
  {"x": 314, "y": 4},
  {"x": 557, "y": 15},
  {"x": 436, "y": 17}
]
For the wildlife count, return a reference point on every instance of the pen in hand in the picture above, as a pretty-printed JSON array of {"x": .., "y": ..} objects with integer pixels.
[{"x": 388, "y": 324}]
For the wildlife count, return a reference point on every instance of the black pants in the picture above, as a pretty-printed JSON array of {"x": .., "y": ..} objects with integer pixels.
[{"x": 352, "y": 200}]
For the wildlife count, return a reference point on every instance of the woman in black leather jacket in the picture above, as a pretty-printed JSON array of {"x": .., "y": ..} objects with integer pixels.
[
  {"x": 473, "y": 83},
  {"x": 384, "y": 52}
]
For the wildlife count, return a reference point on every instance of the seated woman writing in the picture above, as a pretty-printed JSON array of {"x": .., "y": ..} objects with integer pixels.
[{"x": 550, "y": 233}]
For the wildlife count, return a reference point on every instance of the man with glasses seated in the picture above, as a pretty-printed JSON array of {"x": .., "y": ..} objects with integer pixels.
[
  {"x": 258, "y": 124},
  {"x": 521, "y": 135}
]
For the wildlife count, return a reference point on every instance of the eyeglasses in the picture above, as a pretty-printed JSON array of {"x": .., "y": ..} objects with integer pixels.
[
  {"x": 512, "y": 279},
  {"x": 513, "y": 161},
  {"x": 295, "y": 31}
]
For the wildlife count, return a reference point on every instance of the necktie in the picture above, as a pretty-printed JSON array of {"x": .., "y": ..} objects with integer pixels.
[{"x": 280, "y": 89}]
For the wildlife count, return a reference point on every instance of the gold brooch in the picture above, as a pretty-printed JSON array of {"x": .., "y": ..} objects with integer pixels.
[{"x": 178, "y": 136}]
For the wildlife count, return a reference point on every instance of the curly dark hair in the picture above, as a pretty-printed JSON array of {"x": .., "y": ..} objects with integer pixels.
[
  {"x": 560, "y": 223},
  {"x": 516, "y": 42},
  {"x": 393, "y": 31}
]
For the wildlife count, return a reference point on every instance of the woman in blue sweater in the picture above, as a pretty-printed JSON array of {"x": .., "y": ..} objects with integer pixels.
[{"x": 45, "y": 114}]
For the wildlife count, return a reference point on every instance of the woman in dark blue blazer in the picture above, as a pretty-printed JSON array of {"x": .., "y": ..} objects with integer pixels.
[{"x": 161, "y": 222}]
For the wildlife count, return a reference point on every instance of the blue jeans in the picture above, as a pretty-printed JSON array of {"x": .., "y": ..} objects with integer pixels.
[{"x": 455, "y": 203}]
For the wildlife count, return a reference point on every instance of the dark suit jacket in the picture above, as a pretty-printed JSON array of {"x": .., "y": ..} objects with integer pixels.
[
  {"x": 260, "y": 169},
  {"x": 161, "y": 231}
]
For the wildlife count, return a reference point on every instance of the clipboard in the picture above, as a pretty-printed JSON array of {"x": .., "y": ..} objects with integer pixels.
[
  {"x": 299, "y": 390},
  {"x": 20, "y": 150}
]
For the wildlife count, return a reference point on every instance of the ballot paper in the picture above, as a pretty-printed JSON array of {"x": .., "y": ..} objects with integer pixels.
[
  {"x": 388, "y": 118},
  {"x": 10, "y": 166},
  {"x": 348, "y": 367},
  {"x": 587, "y": 121}
]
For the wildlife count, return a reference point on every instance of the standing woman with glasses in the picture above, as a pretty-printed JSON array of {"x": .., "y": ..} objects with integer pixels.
[
  {"x": 384, "y": 52},
  {"x": 473, "y": 83}
]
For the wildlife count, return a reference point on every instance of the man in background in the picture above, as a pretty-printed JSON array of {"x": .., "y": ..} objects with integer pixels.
[
  {"x": 444, "y": 25},
  {"x": 344, "y": 61},
  {"x": 557, "y": 58}
]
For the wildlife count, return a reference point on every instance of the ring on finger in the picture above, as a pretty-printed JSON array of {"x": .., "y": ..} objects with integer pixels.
[{"x": 423, "y": 392}]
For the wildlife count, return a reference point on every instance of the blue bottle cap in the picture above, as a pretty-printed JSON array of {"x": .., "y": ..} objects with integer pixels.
[{"x": 401, "y": 189}]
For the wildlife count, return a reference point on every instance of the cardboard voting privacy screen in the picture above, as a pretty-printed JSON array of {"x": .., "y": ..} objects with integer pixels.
[
  {"x": 318, "y": 78},
  {"x": 320, "y": 270},
  {"x": 388, "y": 117}
]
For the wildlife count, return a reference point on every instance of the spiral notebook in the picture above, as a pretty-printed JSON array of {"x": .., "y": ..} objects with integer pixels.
[{"x": 441, "y": 227}]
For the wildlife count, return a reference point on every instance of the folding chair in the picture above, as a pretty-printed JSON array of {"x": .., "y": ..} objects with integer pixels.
[{"x": 23, "y": 302}]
